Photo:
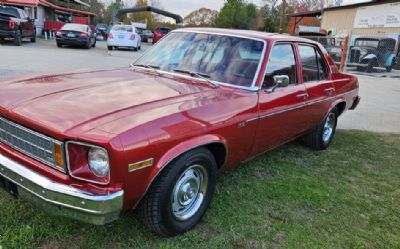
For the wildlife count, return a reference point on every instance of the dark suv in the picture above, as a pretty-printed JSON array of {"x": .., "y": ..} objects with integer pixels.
[{"x": 15, "y": 24}]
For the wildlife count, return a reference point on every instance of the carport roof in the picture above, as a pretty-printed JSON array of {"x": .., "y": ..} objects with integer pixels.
[
  {"x": 21, "y": 2},
  {"x": 73, "y": 11}
]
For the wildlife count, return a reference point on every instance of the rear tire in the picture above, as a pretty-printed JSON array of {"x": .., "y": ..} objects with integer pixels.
[
  {"x": 180, "y": 195},
  {"x": 33, "y": 39},
  {"x": 18, "y": 38},
  {"x": 110, "y": 48},
  {"x": 59, "y": 45},
  {"x": 94, "y": 44},
  {"x": 322, "y": 135}
]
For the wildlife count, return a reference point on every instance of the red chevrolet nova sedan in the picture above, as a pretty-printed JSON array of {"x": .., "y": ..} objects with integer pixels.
[{"x": 154, "y": 136}]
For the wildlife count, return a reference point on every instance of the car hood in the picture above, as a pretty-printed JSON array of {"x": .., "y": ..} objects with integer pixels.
[{"x": 78, "y": 102}]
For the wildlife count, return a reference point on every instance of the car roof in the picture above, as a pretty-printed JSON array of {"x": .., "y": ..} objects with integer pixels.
[{"x": 249, "y": 34}]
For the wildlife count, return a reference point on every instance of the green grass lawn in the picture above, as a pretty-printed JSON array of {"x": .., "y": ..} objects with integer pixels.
[{"x": 345, "y": 197}]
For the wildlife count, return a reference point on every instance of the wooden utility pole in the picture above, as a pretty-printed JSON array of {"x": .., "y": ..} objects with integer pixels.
[{"x": 282, "y": 19}]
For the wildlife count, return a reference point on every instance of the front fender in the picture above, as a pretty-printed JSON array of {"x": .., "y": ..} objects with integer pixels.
[
  {"x": 185, "y": 146},
  {"x": 389, "y": 60},
  {"x": 178, "y": 150}
]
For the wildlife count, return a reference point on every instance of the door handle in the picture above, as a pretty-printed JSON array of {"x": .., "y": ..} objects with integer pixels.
[{"x": 302, "y": 95}]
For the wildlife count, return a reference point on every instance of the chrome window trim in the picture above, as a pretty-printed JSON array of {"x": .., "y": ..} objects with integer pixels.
[
  {"x": 87, "y": 145},
  {"x": 253, "y": 86},
  {"x": 52, "y": 140}
]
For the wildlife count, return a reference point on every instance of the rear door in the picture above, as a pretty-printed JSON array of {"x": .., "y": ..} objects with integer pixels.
[
  {"x": 281, "y": 113},
  {"x": 315, "y": 76}
]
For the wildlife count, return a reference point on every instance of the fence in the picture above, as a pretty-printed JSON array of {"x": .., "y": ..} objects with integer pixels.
[{"x": 373, "y": 55}]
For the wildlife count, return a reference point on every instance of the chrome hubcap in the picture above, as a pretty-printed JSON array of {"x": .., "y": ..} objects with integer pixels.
[
  {"x": 189, "y": 192},
  {"x": 328, "y": 127}
]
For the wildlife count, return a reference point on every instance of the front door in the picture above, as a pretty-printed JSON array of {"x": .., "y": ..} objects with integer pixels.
[{"x": 281, "y": 112}]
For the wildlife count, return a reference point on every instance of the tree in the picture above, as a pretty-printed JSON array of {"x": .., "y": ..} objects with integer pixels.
[
  {"x": 144, "y": 16},
  {"x": 99, "y": 9},
  {"x": 308, "y": 5},
  {"x": 237, "y": 14},
  {"x": 200, "y": 18},
  {"x": 111, "y": 9}
]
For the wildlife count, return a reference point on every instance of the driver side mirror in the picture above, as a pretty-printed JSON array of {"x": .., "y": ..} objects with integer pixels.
[{"x": 279, "y": 81}]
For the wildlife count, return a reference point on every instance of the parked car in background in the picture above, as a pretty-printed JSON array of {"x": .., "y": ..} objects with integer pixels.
[
  {"x": 102, "y": 31},
  {"x": 160, "y": 33},
  {"x": 328, "y": 42},
  {"x": 72, "y": 34},
  {"x": 146, "y": 35},
  {"x": 90, "y": 145},
  {"x": 367, "y": 53},
  {"x": 124, "y": 36},
  {"x": 15, "y": 24}
]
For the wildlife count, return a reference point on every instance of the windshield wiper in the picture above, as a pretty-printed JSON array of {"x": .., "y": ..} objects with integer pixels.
[
  {"x": 202, "y": 76},
  {"x": 155, "y": 68}
]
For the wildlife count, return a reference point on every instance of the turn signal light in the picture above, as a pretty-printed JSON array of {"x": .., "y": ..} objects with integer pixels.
[
  {"x": 58, "y": 156},
  {"x": 84, "y": 34},
  {"x": 11, "y": 24},
  {"x": 132, "y": 37},
  {"x": 58, "y": 33}
]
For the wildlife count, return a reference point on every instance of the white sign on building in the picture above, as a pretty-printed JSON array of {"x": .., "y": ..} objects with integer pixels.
[{"x": 378, "y": 16}]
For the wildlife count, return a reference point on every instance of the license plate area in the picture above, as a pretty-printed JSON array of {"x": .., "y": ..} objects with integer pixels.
[
  {"x": 70, "y": 35},
  {"x": 9, "y": 186}
]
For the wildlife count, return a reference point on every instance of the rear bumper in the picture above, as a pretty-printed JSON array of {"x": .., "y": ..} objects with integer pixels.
[
  {"x": 60, "y": 199},
  {"x": 7, "y": 33},
  {"x": 72, "y": 42}
]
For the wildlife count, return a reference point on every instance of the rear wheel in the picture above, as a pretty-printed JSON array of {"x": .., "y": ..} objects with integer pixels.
[
  {"x": 94, "y": 44},
  {"x": 389, "y": 68},
  {"x": 181, "y": 194},
  {"x": 110, "y": 48},
  {"x": 33, "y": 39},
  {"x": 59, "y": 45},
  {"x": 18, "y": 38},
  {"x": 322, "y": 135}
]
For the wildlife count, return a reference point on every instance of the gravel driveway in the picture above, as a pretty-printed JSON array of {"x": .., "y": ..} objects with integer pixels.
[{"x": 378, "y": 111}]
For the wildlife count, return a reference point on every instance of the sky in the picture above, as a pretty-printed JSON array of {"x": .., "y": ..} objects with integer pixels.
[{"x": 185, "y": 7}]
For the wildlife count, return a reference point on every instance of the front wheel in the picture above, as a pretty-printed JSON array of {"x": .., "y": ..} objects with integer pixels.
[
  {"x": 322, "y": 135},
  {"x": 181, "y": 194}
]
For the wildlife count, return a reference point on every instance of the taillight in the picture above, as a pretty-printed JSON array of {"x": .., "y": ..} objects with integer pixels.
[
  {"x": 84, "y": 34},
  {"x": 132, "y": 37},
  {"x": 88, "y": 162},
  {"x": 11, "y": 24},
  {"x": 110, "y": 36},
  {"x": 58, "y": 33}
]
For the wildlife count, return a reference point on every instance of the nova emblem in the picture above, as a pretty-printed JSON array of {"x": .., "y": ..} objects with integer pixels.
[{"x": 140, "y": 165}]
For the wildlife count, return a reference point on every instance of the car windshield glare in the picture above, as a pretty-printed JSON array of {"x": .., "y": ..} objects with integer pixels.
[
  {"x": 74, "y": 27},
  {"x": 122, "y": 28},
  {"x": 224, "y": 59}
]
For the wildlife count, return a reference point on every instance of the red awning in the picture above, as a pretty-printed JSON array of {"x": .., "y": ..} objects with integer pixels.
[
  {"x": 56, "y": 7},
  {"x": 21, "y": 2}
]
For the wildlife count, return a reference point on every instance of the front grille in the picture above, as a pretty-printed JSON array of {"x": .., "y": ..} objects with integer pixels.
[{"x": 28, "y": 142}]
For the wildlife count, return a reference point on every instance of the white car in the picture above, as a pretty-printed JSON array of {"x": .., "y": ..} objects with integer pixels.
[{"x": 124, "y": 36}]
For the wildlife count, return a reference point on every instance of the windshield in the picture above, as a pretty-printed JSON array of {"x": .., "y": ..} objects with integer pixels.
[
  {"x": 222, "y": 59},
  {"x": 127, "y": 28},
  {"x": 75, "y": 27},
  {"x": 366, "y": 43}
]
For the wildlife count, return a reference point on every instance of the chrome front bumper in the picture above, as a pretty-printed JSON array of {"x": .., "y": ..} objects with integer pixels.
[{"x": 61, "y": 199}]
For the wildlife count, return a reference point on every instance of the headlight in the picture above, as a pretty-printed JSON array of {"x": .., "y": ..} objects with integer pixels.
[{"x": 98, "y": 161}]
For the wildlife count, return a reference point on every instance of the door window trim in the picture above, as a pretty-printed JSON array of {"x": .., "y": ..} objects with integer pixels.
[
  {"x": 317, "y": 50},
  {"x": 294, "y": 48}
]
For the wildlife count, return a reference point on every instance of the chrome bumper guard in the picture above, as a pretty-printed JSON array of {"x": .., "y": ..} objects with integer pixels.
[{"x": 60, "y": 199}]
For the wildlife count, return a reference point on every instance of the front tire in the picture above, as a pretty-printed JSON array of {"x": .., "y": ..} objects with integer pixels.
[
  {"x": 179, "y": 197},
  {"x": 322, "y": 135}
]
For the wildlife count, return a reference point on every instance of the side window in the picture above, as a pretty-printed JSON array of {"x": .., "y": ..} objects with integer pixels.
[
  {"x": 309, "y": 62},
  {"x": 281, "y": 62},
  {"x": 314, "y": 67},
  {"x": 322, "y": 68}
]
